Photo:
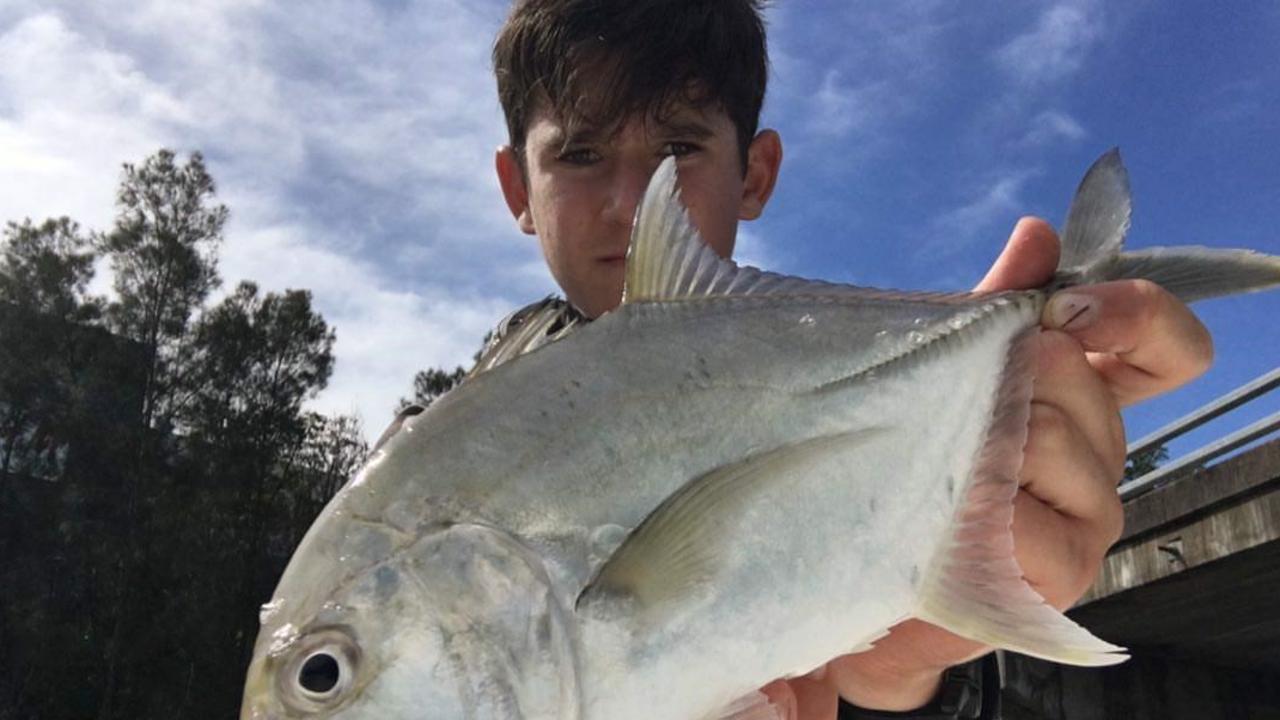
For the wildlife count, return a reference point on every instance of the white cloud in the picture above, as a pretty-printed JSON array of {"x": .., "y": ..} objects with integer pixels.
[
  {"x": 839, "y": 109},
  {"x": 384, "y": 336},
  {"x": 955, "y": 230},
  {"x": 1050, "y": 126},
  {"x": 1000, "y": 198},
  {"x": 751, "y": 249},
  {"x": 352, "y": 143},
  {"x": 1055, "y": 48},
  {"x": 75, "y": 111},
  {"x": 846, "y": 74}
]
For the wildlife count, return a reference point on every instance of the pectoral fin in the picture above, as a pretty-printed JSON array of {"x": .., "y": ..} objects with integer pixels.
[{"x": 681, "y": 545}]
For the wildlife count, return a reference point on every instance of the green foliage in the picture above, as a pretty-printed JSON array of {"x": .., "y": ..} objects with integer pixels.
[
  {"x": 157, "y": 467},
  {"x": 1144, "y": 462},
  {"x": 46, "y": 268},
  {"x": 253, "y": 362},
  {"x": 163, "y": 255},
  {"x": 430, "y": 384},
  {"x": 44, "y": 271}
]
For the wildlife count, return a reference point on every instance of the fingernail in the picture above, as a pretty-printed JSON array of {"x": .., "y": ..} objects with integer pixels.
[{"x": 1072, "y": 311}]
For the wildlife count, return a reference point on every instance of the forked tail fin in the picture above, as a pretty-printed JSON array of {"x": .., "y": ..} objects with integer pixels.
[{"x": 1093, "y": 244}]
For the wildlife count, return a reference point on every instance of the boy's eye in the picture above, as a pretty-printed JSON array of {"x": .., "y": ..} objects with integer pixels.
[
  {"x": 679, "y": 148},
  {"x": 580, "y": 156}
]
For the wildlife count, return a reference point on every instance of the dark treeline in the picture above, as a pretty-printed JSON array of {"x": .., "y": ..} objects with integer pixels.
[{"x": 156, "y": 465}]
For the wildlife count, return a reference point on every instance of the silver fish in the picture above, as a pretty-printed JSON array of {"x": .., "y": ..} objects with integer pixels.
[{"x": 734, "y": 477}]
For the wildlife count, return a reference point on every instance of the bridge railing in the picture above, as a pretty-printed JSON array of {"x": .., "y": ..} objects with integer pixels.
[{"x": 1211, "y": 451}]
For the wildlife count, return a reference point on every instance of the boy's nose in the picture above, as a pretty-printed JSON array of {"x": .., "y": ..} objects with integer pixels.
[{"x": 627, "y": 186}]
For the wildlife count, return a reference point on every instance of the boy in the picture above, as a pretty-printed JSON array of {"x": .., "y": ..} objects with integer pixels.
[{"x": 597, "y": 93}]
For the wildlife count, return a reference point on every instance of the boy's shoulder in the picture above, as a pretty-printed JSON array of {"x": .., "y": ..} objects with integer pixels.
[{"x": 527, "y": 329}]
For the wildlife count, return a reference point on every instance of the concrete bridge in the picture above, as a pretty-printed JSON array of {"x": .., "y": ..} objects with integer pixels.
[{"x": 1193, "y": 589}]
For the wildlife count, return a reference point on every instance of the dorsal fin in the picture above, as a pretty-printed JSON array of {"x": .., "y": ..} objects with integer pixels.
[{"x": 669, "y": 260}]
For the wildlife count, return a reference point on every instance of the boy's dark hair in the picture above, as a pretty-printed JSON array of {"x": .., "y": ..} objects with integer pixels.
[{"x": 650, "y": 54}]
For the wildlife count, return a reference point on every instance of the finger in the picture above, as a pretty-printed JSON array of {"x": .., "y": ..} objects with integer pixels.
[
  {"x": 1066, "y": 381},
  {"x": 1061, "y": 470},
  {"x": 1028, "y": 259},
  {"x": 1042, "y": 536},
  {"x": 1059, "y": 555},
  {"x": 1148, "y": 341}
]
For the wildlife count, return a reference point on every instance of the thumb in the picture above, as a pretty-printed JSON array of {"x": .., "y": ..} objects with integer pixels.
[
  {"x": 783, "y": 704},
  {"x": 1028, "y": 259}
]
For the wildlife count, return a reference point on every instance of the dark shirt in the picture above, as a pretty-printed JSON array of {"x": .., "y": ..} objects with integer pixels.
[{"x": 528, "y": 328}]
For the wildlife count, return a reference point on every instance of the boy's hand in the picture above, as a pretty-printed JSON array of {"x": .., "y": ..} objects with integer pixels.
[{"x": 1104, "y": 346}]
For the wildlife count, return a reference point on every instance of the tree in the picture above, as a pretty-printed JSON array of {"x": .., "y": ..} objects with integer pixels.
[
  {"x": 46, "y": 269},
  {"x": 44, "y": 272},
  {"x": 332, "y": 452},
  {"x": 430, "y": 384},
  {"x": 163, "y": 253},
  {"x": 61, "y": 377},
  {"x": 254, "y": 360},
  {"x": 1144, "y": 462},
  {"x": 158, "y": 465}
]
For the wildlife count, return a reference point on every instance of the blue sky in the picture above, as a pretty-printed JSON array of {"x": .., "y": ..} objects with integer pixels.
[{"x": 353, "y": 144}]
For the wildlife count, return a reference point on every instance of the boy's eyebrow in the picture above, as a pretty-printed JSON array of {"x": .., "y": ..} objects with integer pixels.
[
  {"x": 580, "y": 135},
  {"x": 563, "y": 134},
  {"x": 584, "y": 135},
  {"x": 686, "y": 128},
  {"x": 562, "y": 140}
]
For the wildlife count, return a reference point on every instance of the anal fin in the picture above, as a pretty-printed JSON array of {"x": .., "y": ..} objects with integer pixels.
[{"x": 975, "y": 587}]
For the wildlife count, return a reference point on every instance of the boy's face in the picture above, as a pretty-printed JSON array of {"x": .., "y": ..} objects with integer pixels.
[{"x": 579, "y": 193}]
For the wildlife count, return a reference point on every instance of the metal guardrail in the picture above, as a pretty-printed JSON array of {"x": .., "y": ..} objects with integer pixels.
[{"x": 1195, "y": 419}]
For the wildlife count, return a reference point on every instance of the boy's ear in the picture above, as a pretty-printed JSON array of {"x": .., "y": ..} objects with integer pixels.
[
  {"x": 515, "y": 188},
  {"x": 764, "y": 158}
]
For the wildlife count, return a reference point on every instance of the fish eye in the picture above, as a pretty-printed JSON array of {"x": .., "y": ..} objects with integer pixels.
[{"x": 320, "y": 671}]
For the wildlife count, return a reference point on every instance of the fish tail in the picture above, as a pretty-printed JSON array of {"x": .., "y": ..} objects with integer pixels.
[
  {"x": 1199, "y": 273},
  {"x": 1093, "y": 242},
  {"x": 974, "y": 586}
]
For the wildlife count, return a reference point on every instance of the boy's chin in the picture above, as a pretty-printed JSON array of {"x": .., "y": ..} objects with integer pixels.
[
  {"x": 603, "y": 295},
  {"x": 593, "y": 305}
]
